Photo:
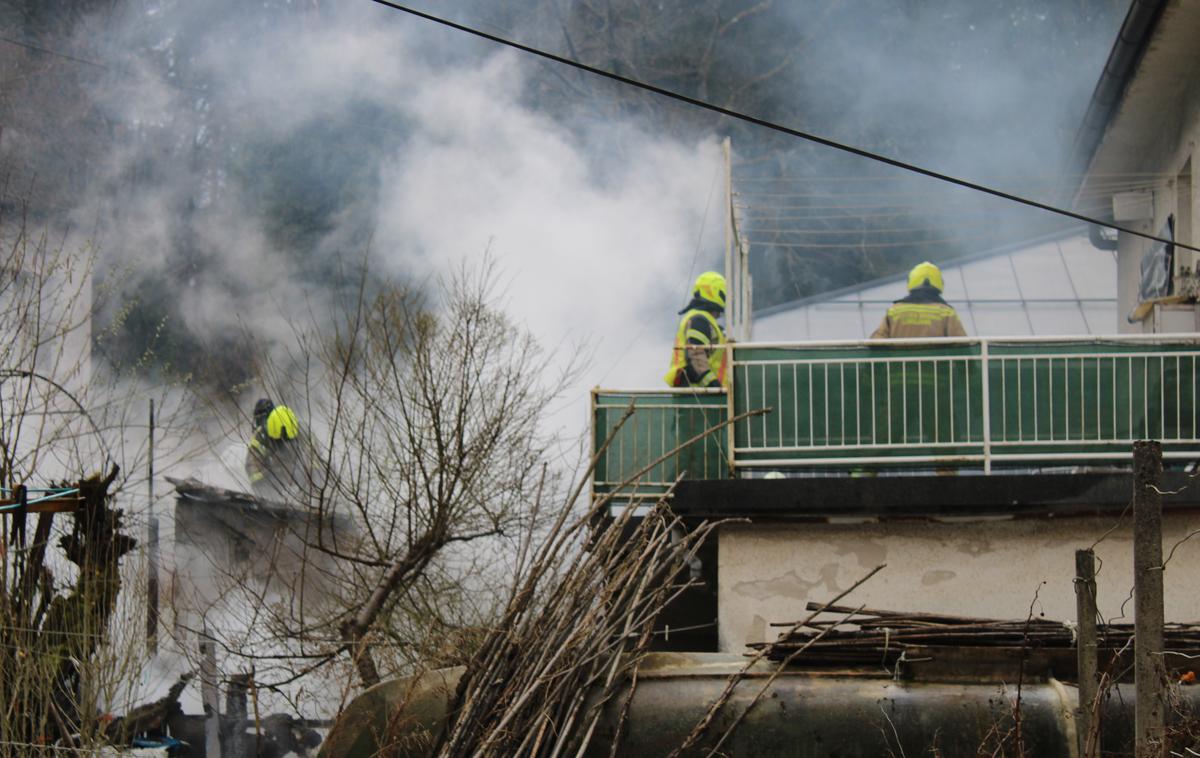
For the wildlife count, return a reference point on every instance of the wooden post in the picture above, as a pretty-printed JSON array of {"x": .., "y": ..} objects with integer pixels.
[
  {"x": 235, "y": 712},
  {"x": 1085, "y": 648},
  {"x": 1149, "y": 668},
  {"x": 152, "y": 553},
  {"x": 210, "y": 696}
]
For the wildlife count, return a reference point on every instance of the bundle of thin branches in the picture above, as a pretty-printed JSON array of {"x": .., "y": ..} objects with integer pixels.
[
  {"x": 575, "y": 630},
  {"x": 883, "y": 635},
  {"x": 573, "y": 638}
]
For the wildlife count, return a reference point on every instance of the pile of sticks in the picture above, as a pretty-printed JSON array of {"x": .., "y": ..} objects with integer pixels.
[
  {"x": 870, "y": 637},
  {"x": 577, "y": 626},
  {"x": 573, "y": 636}
]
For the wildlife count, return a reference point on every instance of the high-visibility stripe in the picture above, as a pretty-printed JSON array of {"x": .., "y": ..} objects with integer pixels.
[
  {"x": 715, "y": 346},
  {"x": 920, "y": 308}
]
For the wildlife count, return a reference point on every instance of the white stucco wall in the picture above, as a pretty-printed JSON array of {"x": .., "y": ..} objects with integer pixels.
[
  {"x": 768, "y": 572},
  {"x": 1147, "y": 146}
]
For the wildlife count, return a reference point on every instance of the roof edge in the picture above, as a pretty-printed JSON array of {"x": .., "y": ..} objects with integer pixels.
[{"x": 1124, "y": 58}]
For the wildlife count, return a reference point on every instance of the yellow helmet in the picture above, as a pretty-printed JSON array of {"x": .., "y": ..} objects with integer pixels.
[
  {"x": 282, "y": 424},
  {"x": 710, "y": 286},
  {"x": 925, "y": 273}
]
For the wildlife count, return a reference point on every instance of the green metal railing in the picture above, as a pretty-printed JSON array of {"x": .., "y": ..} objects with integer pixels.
[
  {"x": 937, "y": 403},
  {"x": 660, "y": 422}
]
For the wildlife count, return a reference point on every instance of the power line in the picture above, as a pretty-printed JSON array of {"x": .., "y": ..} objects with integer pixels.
[
  {"x": 104, "y": 66},
  {"x": 55, "y": 53},
  {"x": 807, "y": 136}
]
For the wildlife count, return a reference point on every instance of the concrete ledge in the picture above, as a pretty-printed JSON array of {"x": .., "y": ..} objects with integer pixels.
[{"x": 905, "y": 497}]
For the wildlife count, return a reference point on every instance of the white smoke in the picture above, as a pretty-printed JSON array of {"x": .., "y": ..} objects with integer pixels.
[{"x": 594, "y": 247}]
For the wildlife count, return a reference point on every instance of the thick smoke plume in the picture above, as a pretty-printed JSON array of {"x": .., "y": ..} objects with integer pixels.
[{"x": 267, "y": 148}]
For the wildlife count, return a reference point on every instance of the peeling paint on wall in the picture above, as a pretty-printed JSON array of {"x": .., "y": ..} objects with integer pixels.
[
  {"x": 768, "y": 572},
  {"x": 789, "y": 585}
]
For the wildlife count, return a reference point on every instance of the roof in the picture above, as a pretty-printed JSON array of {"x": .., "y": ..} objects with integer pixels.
[
  {"x": 1122, "y": 61},
  {"x": 1140, "y": 96},
  {"x": 1048, "y": 286}
]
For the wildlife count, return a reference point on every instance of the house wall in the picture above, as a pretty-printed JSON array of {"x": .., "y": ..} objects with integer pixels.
[
  {"x": 1170, "y": 163},
  {"x": 767, "y": 572},
  {"x": 45, "y": 314}
]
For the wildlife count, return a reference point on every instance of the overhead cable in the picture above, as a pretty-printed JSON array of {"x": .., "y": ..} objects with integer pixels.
[
  {"x": 55, "y": 53},
  {"x": 86, "y": 62},
  {"x": 807, "y": 136}
]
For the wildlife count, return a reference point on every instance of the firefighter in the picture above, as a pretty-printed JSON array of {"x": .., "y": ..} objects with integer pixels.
[
  {"x": 919, "y": 404},
  {"x": 698, "y": 357},
  {"x": 273, "y": 453},
  {"x": 923, "y": 313}
]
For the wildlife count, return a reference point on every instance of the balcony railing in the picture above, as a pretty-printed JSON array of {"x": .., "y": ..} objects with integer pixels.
[
  {"x": 660, "y": 422},
  {"x": 962, "y": 403}
]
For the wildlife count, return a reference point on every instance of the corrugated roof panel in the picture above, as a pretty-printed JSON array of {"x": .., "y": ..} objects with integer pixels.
[
  {"x": 966, "y": 315},
  {"x": 1101, "y": 318},
  {"x": 988, "y": 279},
  {"x": 995, "y": 320},
  {"x": 1057, "y": 318},
  {"x": 789, "y": 326},
  {"x": 834, "y": 321},
  {"x": 881, "y": 293},
  {"x": 1067, "y": 287},
  {"x": 1093, "y": 271},
  {"x": 1041, "y": 273},
  {"x": 956, "y": 285}
]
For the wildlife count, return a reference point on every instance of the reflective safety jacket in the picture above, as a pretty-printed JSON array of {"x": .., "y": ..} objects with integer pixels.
[
  {"x": 273, "y": 465},
  {"x": 698, "y": 357},
  {"x": 920, "y": 315}
]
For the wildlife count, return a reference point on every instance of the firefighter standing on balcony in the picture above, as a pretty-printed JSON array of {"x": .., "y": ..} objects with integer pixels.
[
  {"x": 698, "y": 358},
  {"x": 923, "y": 313}
]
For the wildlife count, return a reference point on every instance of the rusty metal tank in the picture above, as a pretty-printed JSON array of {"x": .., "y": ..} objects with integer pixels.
[{"x": 805, "y": 714}]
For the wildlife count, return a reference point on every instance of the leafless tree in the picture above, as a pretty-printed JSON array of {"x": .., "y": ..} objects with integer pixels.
[
  {"x": 63, "y": 423},
  {"x": 425, "y": 447}
]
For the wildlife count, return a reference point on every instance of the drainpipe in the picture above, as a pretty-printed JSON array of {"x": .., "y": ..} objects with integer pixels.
[{"x": 1098, "y": 240}]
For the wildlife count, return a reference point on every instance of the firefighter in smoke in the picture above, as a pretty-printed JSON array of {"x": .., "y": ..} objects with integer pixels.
[
  {"x": 273, "y": 455},
  {"x": 923, "y": 312},
  {"x": 698, "y": 358}
]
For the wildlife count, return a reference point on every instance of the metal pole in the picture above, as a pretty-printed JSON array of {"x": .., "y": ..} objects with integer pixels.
[
  {"x": 152, "y": 555},
  {"x": 749, "y": 303},
  {"x": 1149, "y": 669},
  {"x": 1085, "y": 648},
  {"x": 743, "y": 287},
  {"x": 731, "y": 411},
  {"x": 730, "y": 308},
  {"x": 987, "y": 407}
]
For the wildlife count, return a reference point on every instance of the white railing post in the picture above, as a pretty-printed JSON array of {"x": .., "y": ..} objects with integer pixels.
[
  {"x": 731, "y": 454},
  {"x": 595, "y": 400},
  {"x": 987, "y": 408}
]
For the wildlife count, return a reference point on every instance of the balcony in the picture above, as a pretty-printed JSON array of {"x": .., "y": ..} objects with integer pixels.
[{"x": 985, "y": 405}]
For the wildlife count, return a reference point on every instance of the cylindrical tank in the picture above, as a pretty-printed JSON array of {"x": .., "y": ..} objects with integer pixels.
[{"x": 805, "y": 714}]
